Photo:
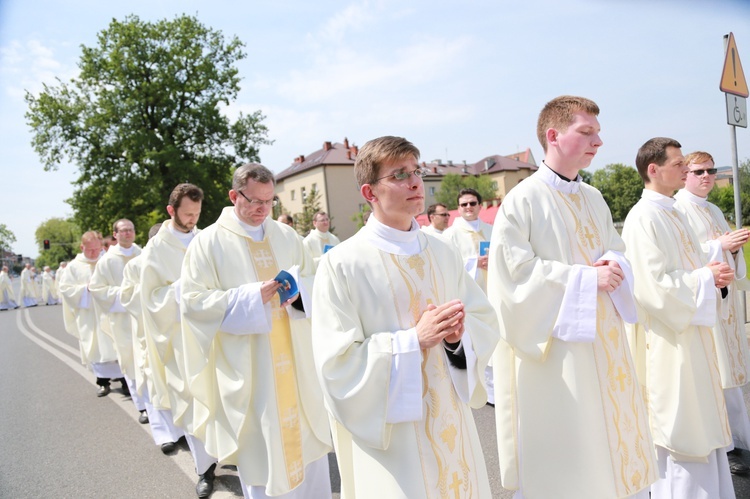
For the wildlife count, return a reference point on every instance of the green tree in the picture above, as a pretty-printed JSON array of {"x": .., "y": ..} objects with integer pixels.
[
  {"x": 144, "y": 115},
  {"x": 723, "y": 197},
  {"x": 452, "y": 184},
  {"x": 65, "y": 240},
  {"x": 359, "y": 217},
  {"x": 310, "y": 206},
  {"x": 586, "y": 176},
  {"x": 621, "y": 186},
  {"x": 7, "y": 238}
]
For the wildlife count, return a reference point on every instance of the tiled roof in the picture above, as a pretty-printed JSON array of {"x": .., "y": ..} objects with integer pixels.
[{"x": 330, "y": 154}]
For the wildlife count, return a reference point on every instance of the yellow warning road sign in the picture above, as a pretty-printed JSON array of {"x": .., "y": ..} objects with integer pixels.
[{"x": 733, "y": 78}]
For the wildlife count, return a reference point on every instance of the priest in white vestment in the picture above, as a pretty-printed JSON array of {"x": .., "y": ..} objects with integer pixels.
[
  {"x": 676, "y": 294},
  {"x": 571, "y": 421},
  {"x": 160, "y": 300},
  {"x": 320, "y": 239},
  {"x": 49, "y": 288},
  {"x": 438, "y": 217},
  {"x": 27, "y": 295},
  {"x": 248, "y": 356},
  {"x": 81, "y": 319},
  {"x": 105, "y": 287},
  {"x": 467, "y": 232},
  {"x": 7, "y": 295},
  {"x": 722, "y": 244},
  {"x": 401, "y": 337}
]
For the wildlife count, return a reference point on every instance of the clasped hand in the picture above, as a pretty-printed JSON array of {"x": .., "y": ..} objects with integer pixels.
[
  {"x": 734, "y": 240},
  {"x": 443, "y": 322},
  {"x": 723, "y": 274},
  {"x": 269, "y": 288},
  {"x": 609, "y": 275}
]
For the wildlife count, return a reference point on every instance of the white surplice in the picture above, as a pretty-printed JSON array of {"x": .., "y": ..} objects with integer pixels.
[
  {"x": 315, "y": 243},
  {"x": 467, "y": 236},
  {"x": 7, "y": 296}
]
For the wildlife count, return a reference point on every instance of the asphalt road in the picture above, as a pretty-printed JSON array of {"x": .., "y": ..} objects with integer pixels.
[{"x": 58, "y": 440}]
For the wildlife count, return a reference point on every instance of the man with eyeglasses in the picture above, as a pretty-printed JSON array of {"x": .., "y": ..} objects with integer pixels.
[
  {"x": 723, "y": 245},
  {"x": 676, "y": 289},
  {"x": 438, "y": 217},
  {"x": 468, "y": 231},
  {"x": 173, "y": 403},
  {"x": 401, "y": 336},
  {"x": 320, "y": 237},
  {"x": 105, "y": 289},
  {"x": 248, "y": 355},
  {"x": 570, "y": 417}
]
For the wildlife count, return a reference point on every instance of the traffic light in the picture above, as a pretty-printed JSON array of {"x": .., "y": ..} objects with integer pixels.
[{"x": 46, "y": 244}]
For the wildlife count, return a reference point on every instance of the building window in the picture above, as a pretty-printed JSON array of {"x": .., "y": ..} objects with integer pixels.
[
  {"x": 432, "y": 191},
  {"x": 292, "y": 193},
  {"x": 302, "y": 193},
  {"x": 315, "y": 187}
]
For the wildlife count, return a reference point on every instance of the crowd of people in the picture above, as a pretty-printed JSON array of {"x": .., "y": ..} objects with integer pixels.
[
  {"x": 614, "y": 363},
  {"x": 36, "y": 288}
]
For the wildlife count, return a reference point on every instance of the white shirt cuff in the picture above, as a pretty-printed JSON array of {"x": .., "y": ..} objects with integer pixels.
[
  {"x": 246, "y": 312},
  {"x": 576, "y": 320},
  {"x": 405, "y": 390},
  {"x": 705, "y": 314},
  {"x": 623, "y": 297}
]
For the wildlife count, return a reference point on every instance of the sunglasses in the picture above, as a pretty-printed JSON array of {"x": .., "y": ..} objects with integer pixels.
[
  {"x": 699, "y": 173},
  {"x": 470, "y": 203}
]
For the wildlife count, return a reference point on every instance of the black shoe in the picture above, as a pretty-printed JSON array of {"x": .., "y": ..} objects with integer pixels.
[
  {"x": 490, "y": 404},
  {"x": 124, "y": 385},
  {"x": 168, "y": 447},
  {"x": 736, "y": 465},
  {"x": 205, "y": 484},
  {"x": 102, "y": 391},
  {"x": 143, "y": 418}
]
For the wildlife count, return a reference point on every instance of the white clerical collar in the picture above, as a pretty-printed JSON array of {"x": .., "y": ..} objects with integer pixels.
[
  {"x": 127, "y": 251},
  {"x": 552, "y": 179},
  {"x": 436, "y": 230},
  {"x": 392, "y": 240},
  {"x": 184, "y": 237},
  {"x": 658, "y": 199},
  {"x": 686, "y": 195},
  {"x": 256, "y": 232}
]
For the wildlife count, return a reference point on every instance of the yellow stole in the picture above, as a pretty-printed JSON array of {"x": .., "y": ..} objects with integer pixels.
[{"x": 285, "y": 379}]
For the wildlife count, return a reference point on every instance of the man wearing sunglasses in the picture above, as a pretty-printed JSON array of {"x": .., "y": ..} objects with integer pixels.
[
  {"x": 571, "y": 422},
  {"x": 438, "y": 217},
  {"x": 467, "y": 232},
  {"x": 724, "y": 245}
]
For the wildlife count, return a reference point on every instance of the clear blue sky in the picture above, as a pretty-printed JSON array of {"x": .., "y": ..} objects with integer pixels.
[{"x": 462, "y": 80}]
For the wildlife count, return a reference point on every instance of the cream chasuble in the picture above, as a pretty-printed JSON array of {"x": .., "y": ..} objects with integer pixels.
[
  {"x": 708, "y": 223},
  {"x": 258, "y": 404},
  {"x": 49, "y": 289},
  {"x": 81, "y": 319},
  {"x": 26, "y": 294},
  {"x": 571, "y": 421},
  {"x": 105, "y": 287},
  {"x": 316, "y": 241},
  {"x": 363, "y": 296},
  {"x": 130, "y": 297},
  {"x": 676, "y": 359},
  {"x": 7, "y": 296},
  {"x": 161, "y": 266},
  {"x": 467, "y": 241}
]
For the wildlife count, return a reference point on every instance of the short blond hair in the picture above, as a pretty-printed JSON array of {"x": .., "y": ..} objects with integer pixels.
[
  {"x": 558, "y": 114},
  {"x": 91, "y": 235},
  {"x": 377, "y": 152},
  {"x": 698, "y": 157}
]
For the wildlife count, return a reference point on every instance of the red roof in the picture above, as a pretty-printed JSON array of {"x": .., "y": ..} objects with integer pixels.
[{"x": 487, "y": 215}]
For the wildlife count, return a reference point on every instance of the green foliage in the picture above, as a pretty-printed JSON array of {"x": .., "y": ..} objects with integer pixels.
[
  {"x": 452, "y": 184},
  {"x": 7, "y": 238},
  {"x": 65, "y": 241},
  {"x": 586, "y": 176},
  {"x": 310, "y": 206},
  {"x": 359, "y": 217},
  {"x": 723, "y": 197},
  {"x": 621, "y": 187},
  {"x": 144, "y": 115}
]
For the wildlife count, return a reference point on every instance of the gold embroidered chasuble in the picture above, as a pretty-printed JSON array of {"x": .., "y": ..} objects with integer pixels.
[
  {"x": 362, "y": 295},
  {"x": 729, "y": 333},
  {"x": 104, "y": 287},
  {"x": 257, "y": 401},
  {"x": 570, "y": 412},
  {"x": 677, "y": 362},
  {"x": 316, "y": 241},
  {"x": 83, "y": 323}
]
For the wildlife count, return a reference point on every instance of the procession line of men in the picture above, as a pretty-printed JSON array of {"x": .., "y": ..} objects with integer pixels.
[
  {"x": 34, "y": 288},
  {"x": 614, "y": 358}
]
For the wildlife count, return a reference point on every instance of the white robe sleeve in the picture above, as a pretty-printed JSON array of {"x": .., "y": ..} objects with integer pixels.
[
  {"x": 576, "y": 319},
  {"x": 623, "y": 297},
  {"x": 246, "y": 313},
  {"x": 705, "y": 299},
  {"x": 117, "y": 305},
  {"x": 405, "y": 389}
]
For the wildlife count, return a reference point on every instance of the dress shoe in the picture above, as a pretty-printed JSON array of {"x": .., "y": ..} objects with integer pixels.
[
  {"x": 102, "y": 391},
  {"x": 168, "y": 447},
  {"x": 124, "y": 385},
  {"x": 143, "y": 418},
  {"x": 205, "y": 484},
  {"x": 736, "y": 465}
]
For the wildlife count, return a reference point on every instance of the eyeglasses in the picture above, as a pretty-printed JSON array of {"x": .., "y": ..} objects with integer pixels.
[
  {"x": 441, "y": 214},
  {"x": 699, "y": 173},
  {"x": 470, "y": 203},
  {"x": 258, "y": 202},
  {"x": 419, "y": 172}
]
